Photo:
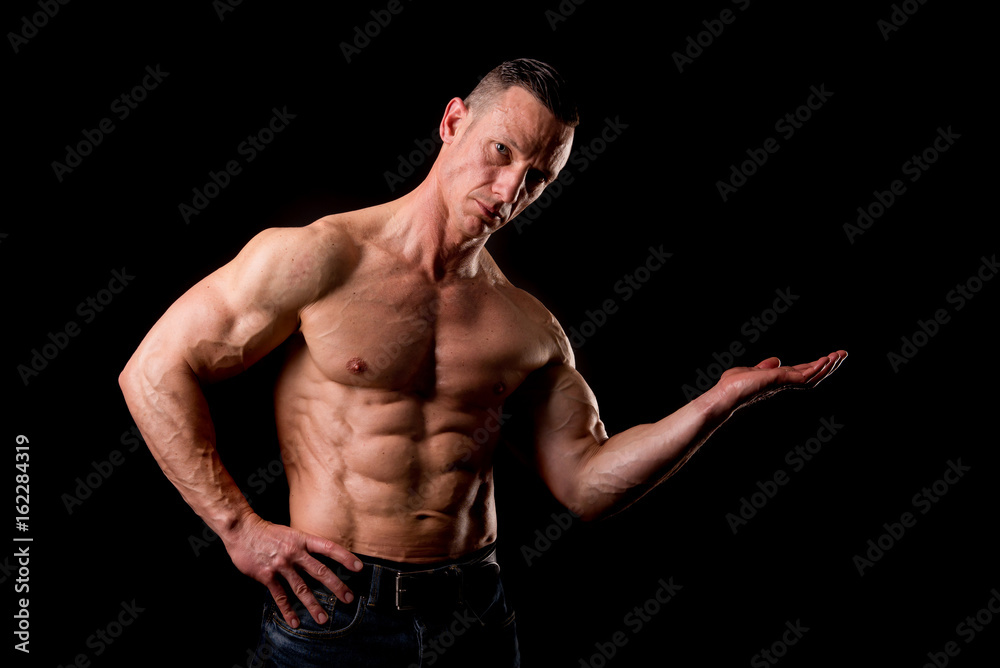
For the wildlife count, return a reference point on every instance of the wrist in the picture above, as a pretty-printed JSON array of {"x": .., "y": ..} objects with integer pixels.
[
  {"x": 235, "y": 525},
  {"x": 714, "y": 407}
]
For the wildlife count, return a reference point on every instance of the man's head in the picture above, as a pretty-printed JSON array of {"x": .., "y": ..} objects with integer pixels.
[{"x": 504, "y": 143}]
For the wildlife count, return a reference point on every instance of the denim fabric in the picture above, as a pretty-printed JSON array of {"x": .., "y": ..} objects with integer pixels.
[{"x": 478, "y": 632}]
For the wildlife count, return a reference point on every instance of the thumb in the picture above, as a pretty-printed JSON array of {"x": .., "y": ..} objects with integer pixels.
[{"x": 769, "y": 363}]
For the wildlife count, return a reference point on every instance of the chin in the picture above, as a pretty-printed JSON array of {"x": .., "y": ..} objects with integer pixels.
[
  {"x": 474, "y": 225},
  {"x": 477, "y": 227}
]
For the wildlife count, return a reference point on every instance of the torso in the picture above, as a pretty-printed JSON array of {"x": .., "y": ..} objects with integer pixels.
[{"x": 390, "y": 405}]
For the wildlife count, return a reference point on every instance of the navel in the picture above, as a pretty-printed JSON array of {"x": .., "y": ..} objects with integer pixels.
[
  {"x": 499, "y": 388},
  {"x": 357, "y": 365}
]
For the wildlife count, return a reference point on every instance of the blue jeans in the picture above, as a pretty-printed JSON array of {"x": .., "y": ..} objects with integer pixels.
[{"x": 475, "y": 630}]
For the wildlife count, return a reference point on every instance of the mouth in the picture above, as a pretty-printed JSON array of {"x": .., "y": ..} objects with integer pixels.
[{"x": 488, "y": 212}]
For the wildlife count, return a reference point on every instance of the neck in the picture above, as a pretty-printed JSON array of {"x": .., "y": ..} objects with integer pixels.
[{"x": 426, "y": 233}]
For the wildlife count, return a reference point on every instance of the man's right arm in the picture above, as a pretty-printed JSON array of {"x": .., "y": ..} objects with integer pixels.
[{"x": 220, "y": 327}]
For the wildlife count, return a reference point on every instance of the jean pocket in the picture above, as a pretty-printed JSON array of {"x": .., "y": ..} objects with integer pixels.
[{"x": 342, "y": 618}]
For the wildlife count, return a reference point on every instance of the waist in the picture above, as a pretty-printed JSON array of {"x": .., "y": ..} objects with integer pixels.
[
  {"x": 403, "y": 586},
  {"x": 482, "y": 555}
]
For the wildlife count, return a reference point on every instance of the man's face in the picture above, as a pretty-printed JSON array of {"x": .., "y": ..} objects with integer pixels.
[{"x": 499, "y": 159}]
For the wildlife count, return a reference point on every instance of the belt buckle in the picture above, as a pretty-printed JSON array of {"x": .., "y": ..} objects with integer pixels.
[
  {"x": 399, "y": 590},
  {"x": 401, "y": 576}
]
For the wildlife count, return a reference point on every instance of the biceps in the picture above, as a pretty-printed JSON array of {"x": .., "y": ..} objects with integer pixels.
[
  {"x": 216, "y": 330},
  {"x": 568, "y": 432}
]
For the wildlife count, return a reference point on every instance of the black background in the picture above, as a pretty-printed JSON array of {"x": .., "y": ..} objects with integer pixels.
[{"x": 654, "y": 185}]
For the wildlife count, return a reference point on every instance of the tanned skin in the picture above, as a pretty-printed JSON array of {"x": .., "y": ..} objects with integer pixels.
[{"x": 405, "y": 342}]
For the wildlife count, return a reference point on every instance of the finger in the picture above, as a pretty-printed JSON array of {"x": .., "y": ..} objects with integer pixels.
[
  {"x": 818, "y": 366},
  {"x": 802, "y": 376},
  {"x": 283, "y": 603},
  {"x": 303, "y": 592},
  {"x": 322, "y": 573},
  {"x": 836, "y": 359},
  {"x": 318, "y": 545},
  {"x": 328, "y": 548},
  {"x": 827, "y": 366}
]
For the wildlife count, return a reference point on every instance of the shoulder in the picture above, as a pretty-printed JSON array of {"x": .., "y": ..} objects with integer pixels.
[
  {"x": 302, "y": 261},
  {"x": 326, "y": 243},
  {"x": 554, "y": 339}
]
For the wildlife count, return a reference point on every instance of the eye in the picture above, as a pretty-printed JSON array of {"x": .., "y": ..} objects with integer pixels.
[{"x": 501, "y": 148}]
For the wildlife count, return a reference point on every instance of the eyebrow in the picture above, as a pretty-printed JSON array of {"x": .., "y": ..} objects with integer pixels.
[{"x": 504, "y": 139}]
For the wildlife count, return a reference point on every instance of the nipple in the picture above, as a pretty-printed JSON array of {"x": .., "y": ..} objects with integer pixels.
[
  {"x": 499, "y": 388},
  {"x": 357, "y": 365}
]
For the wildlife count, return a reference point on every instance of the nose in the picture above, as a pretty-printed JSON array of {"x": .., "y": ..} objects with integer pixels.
[{"x": 509, "y": 184}]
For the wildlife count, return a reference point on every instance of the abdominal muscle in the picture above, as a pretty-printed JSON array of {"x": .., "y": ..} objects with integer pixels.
[{"x": 387, "y": 473}]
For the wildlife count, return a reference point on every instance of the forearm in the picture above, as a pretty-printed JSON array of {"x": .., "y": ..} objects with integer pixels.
[
  {"x": 168, "y": 406},
  {"x": 629, "y": 464},
  {"x": 595, "y": 476}
]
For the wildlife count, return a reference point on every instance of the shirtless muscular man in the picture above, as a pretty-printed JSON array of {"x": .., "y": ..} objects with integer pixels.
[{"x": 404, "y": 341}]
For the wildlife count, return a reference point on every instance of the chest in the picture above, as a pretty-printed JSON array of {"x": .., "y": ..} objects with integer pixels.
[{"x": 388, "y": 330}]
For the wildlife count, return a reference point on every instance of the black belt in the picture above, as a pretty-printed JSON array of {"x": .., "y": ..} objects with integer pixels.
[{"x": 432, "y": 588}]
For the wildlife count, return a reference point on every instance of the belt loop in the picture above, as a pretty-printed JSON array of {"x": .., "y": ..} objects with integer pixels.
[{"x": 373, "y": 591}]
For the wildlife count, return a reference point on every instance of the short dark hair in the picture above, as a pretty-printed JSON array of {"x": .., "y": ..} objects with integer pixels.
[{"x": 538, "y": 78}]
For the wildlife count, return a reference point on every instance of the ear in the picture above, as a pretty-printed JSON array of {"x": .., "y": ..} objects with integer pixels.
[{"x": 454, "y": 114}]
